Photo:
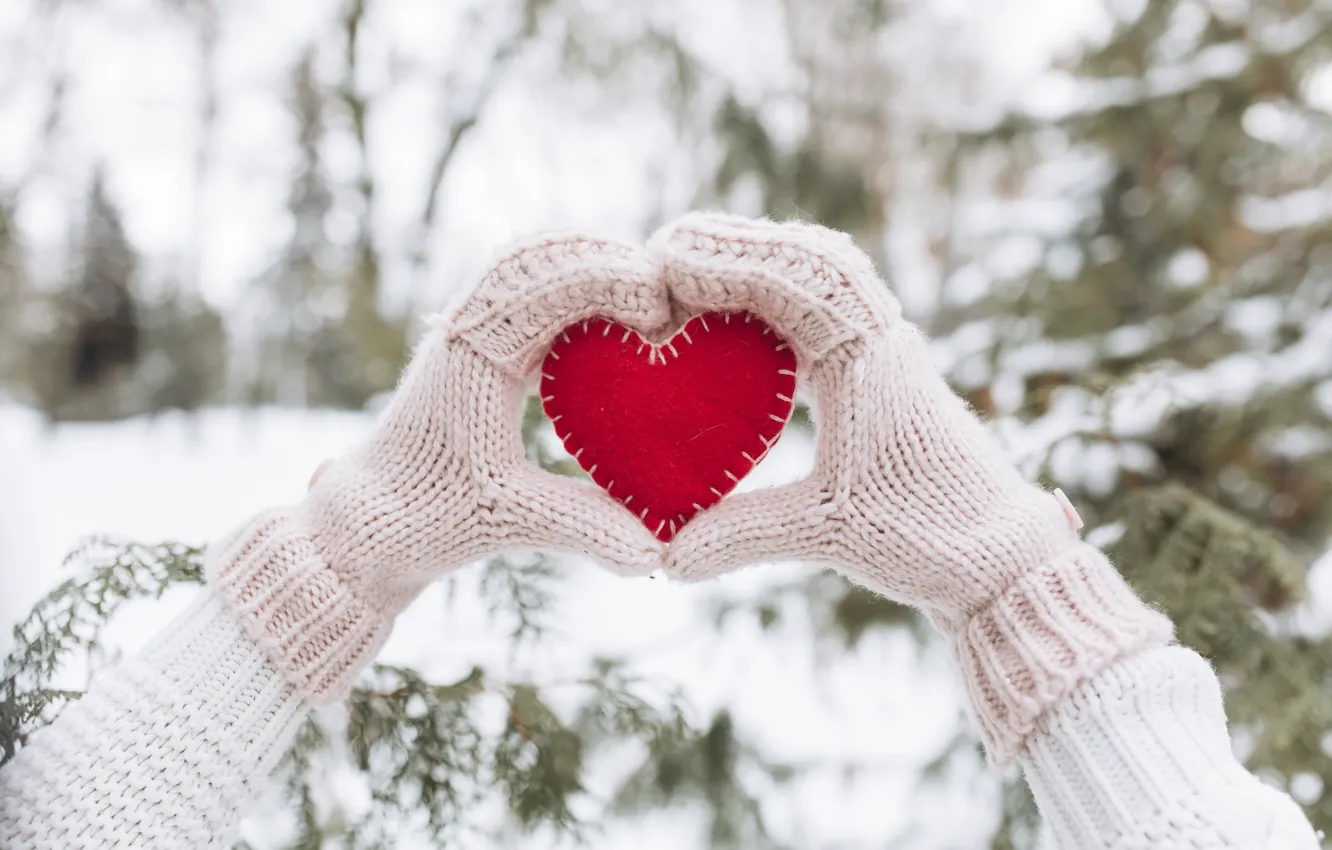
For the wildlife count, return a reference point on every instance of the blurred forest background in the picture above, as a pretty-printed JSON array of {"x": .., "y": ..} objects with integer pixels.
[{"x": 1124, "y": 256}]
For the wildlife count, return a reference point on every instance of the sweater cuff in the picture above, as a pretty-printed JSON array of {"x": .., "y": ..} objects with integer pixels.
[
  {"x": 1057, "y": 627},
  {"x": 1140, "y": 757},
  {"x": 294, "y": 606}
]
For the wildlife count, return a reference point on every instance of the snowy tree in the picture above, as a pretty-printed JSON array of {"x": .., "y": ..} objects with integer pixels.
[{"x": 1164, "y": 338}]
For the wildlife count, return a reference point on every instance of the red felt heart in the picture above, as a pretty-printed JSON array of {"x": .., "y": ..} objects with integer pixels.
[{"x": 670, "y": 429}]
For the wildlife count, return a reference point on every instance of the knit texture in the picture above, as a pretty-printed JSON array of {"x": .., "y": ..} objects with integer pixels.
[
  {"x": 164, "y": 751},
  {"x": 443, "y": 479},
  {"x": 1138, "y": 759},
  {"x": 909, "y": 495}
]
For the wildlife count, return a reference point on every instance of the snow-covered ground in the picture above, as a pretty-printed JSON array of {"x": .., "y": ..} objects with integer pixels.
[{"x": 190, "y": 478}]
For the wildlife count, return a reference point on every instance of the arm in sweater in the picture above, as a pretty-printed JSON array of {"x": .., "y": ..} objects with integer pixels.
[
  {"x": 167, "y": 749},
  {"x": 1139, "y": 758}
]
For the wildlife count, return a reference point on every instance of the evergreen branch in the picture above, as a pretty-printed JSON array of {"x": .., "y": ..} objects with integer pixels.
[
  {"x": 520, "y": 591},
  {"x": 430, "y": 760},
  {"x": 71, "y": 617},
  {"x": 422, "y": 749},
  {"x": 836, "y": 607}
]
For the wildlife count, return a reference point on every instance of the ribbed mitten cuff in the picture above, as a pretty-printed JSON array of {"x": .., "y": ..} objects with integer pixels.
[
  {"x": 289, "y": 601},
  {"x": 1058, "y": 626}
]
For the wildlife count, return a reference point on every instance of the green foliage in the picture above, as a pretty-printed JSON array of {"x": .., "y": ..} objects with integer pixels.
[
  {"x": 1225, "y": 583},
  {"x": 1183, "y": 265},
  {"x": 97, "y": 347},
  {"x": 69, "y": 619},
  {"x": 417, "y": 740},
  {"x": 1221, "y": 580},
  {"x": 802, "y": 183},
  {"x": 703, "y": 767},
  {"x": 1019, "y": 821},
  {"x": 431, "y": 761},
  {"x": 835, "y": 607},
  {"x": 1181, "y": 273}
]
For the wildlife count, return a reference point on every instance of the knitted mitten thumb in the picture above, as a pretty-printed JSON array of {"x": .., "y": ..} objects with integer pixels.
[
  {"x": 909, "y": 496},
  {"x": 442, "y": 479}
]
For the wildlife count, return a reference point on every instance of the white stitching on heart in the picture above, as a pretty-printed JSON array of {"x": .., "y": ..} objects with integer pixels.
[{"x": 653, "y": 351}]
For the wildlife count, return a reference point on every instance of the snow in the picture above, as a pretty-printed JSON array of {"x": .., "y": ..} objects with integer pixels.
[{"x": 173, "y": 477}]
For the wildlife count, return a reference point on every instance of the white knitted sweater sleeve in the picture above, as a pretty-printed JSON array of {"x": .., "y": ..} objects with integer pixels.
[
  {"x": 1139, "y": 759},
  {"x": 164, "y": 751}
]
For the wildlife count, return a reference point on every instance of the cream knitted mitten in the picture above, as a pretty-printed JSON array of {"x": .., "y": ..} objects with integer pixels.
[
  {"x": 909, "y": 495},
  {"x": 443, "y": 479}
]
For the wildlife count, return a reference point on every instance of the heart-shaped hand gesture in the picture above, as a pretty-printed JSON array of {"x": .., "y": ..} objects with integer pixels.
[{"x": 909, "y": 496}]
